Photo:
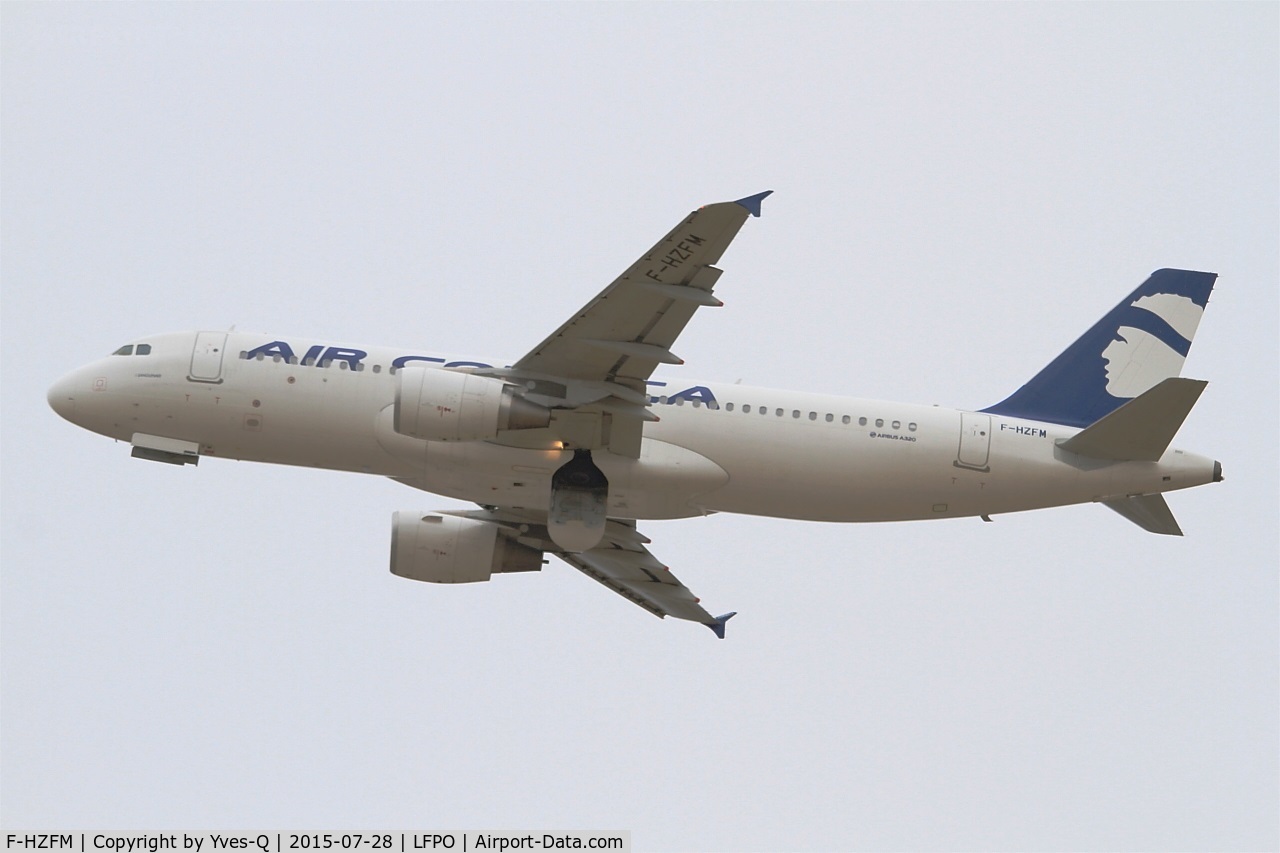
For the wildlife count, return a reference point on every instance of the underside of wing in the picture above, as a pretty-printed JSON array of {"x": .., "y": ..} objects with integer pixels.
[
  {"x": 592, "y": 371},
  {"x": 620, "y": 562},
  {"x": 629, "y": 328},
  {"x": 637, "y": 576}
]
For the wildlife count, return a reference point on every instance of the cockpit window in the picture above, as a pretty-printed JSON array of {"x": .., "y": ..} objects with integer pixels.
[
  {"x": 143, "y": 349},
  {"x": 125, "y": 350}
]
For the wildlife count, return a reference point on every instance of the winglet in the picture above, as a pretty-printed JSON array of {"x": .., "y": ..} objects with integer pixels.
[
  {"x": 717, "y": 624},
  {"x": 752, "y": 202}
]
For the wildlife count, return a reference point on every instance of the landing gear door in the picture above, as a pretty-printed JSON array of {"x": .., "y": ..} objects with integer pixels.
[
  {"x": 975, "y": 441},
  {"x": 206, "y": 357}
]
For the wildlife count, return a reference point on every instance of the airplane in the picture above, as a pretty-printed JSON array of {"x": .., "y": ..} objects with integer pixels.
[{"x": 565, "y": 449}]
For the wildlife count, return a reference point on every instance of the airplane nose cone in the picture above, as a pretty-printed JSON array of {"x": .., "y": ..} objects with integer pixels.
[{"x": 62, "y": 400}]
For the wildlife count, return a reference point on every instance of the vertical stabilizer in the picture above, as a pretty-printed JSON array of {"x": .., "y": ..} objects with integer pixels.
[{"x": 1136, "y": 346}]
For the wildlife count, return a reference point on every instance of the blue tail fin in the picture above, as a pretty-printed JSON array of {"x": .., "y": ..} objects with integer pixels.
[{"x": 1137, "y": 345}]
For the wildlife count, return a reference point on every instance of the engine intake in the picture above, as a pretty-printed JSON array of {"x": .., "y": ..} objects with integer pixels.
[
  {"x": 446, "y": 405},
  {"x": 448, "y": 549}
]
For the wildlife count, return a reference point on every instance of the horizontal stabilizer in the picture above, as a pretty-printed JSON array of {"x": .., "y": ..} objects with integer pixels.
[
  {"x": 1141, "y": 429},
  {"x": 1150, "y": 512}
]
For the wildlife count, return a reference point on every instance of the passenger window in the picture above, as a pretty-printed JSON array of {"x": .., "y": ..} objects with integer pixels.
[
  {"x": 697, "y": 404},
  {"x": 830, "y": 417},
  {"x": 897, "y": 424},
  {"x": 813, "y": 416},
  {"x": 879, "y": 422},
  {"x": 862, "y": 421},
  {"x": 679, "y": 401},
  {"x": 845, "y": 419},
  {"x": 728, "y": 407},
  {"x": 746, "y": 409},
  {"x": 125, "y": 350},
  {"x": 795, "y": 413},
  {"x": 911, "y": 426},
  {"x": 143, "y": 349},
  {"x": 764, "y": 410},
  {"x": 778, "y": 412},
  {"x": 377, "y": 368}
]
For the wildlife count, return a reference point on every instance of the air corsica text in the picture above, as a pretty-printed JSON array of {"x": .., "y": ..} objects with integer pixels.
[
  {"x": 319, "y": 354},
  {"x": 322, "y": 355}
]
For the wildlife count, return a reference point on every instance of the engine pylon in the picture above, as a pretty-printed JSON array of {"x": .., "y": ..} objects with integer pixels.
[{"x": 579, "y": 501}]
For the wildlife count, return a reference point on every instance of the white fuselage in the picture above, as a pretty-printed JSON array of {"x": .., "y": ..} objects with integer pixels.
[{"x": 716, "y": 448}]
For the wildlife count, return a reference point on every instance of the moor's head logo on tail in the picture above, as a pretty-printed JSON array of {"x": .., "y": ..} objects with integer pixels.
[
  {"x": 1152, "y": 345},
  {"x": 1140, "y": 343}
]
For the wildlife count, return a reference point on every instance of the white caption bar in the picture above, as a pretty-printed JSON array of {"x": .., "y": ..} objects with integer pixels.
[{"x": 455, "y": 841}]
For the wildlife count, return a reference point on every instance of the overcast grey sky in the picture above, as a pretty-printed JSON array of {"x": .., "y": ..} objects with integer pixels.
[{"x": 960, "y": 191}]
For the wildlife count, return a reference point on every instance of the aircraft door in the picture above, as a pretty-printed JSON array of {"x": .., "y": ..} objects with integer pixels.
[
  {"x": 975, "y": 441},
  {"x": 206, "y": 357}
]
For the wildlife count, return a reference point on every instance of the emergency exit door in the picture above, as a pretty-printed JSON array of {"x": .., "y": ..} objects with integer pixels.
[
  {"x": 206, "y": 357},
  {"x": 975, "y": 441}
]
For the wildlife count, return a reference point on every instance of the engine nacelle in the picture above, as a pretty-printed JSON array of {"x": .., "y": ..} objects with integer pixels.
[
  {"x": 448, "y": 549},
  {"x": 446, "y": 405}
]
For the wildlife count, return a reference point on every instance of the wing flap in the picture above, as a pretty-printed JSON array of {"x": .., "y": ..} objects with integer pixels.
[
  {"x": 638, "y": 577},
  {"x": 685, "y": 293}
]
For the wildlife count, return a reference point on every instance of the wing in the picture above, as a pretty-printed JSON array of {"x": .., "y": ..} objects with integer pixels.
[
  {"x": 628, "y": 329},
  {"x": 620, "y": 562},
  {"x": 598, "y": 361}
]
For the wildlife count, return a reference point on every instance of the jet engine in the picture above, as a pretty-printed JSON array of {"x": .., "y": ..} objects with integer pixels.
[
  {"x": 447, "y": 405},
  {"x": 448, "y": 549}
]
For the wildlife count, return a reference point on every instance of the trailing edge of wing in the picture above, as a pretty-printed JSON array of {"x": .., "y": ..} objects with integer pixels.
[
  {"x": 652, "y": 352},
  {"x": 637, "y": 576},
  {"x": 621, "y": 562}
]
